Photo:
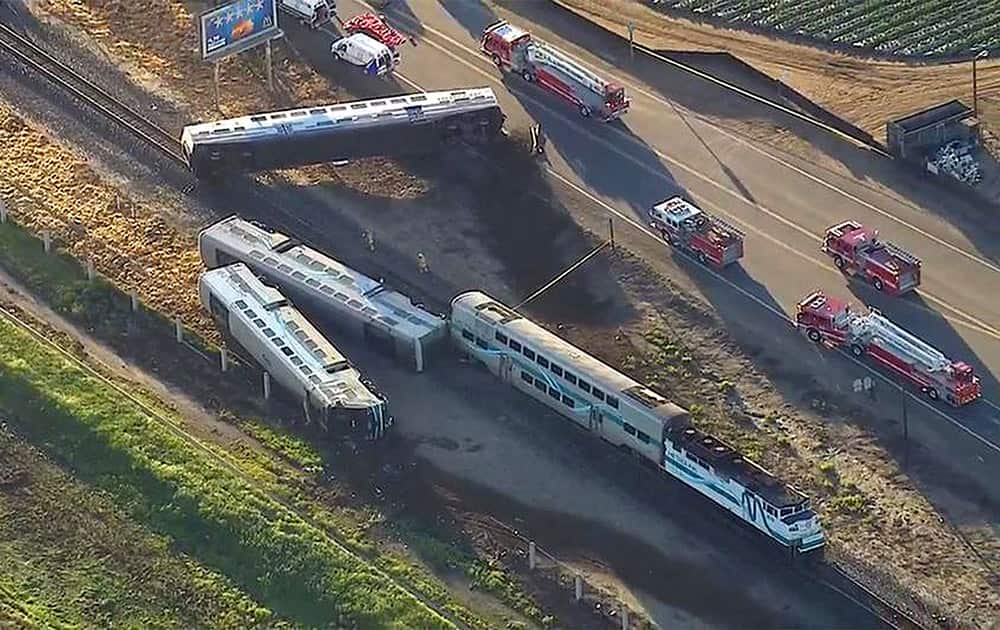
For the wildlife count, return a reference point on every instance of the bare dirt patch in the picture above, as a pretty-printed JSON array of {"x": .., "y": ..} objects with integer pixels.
[{"x": 866, "y": 92}]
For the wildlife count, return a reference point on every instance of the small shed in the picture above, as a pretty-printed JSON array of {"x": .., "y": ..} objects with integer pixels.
[{"x": 912, "y": 136}]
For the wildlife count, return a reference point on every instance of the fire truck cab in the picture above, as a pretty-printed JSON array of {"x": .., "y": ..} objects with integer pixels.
[
  {"x": 685, "y": 225},
  {"x": 856, "y": 250},
  {"x": 823, "y": 319},
  {"x": 513, "y": 49}
]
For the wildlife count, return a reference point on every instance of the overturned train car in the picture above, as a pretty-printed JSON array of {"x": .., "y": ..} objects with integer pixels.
[{"x": 393, "y": 126}]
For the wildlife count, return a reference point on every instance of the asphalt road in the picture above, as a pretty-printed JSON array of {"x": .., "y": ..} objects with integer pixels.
[{"x": 783, "y": 202}]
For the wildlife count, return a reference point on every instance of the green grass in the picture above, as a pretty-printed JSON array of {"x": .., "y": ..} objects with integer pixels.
[
  {"x": 925, "y": 28},
  {"x": 205, "y": 509},
  {"x": 69, "y": 557}
]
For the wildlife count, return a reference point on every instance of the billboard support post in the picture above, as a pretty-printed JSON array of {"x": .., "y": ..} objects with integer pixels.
[
  {"x": 215, "y": 82},
  {"x": 270, "y": 66}
]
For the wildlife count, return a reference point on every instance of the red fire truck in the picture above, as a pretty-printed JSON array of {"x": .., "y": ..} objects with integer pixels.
[
  {"x": 513, "y": 49},
  {"x": 377, "y": 28},
  {"x": 857, "y": 251},
  {"x": 683, "y": 224},
  {"x": 834, "y": 323}
]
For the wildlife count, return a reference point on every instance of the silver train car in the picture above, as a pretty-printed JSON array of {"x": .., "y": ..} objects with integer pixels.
[
  {"x": 328, "y": 290},
  {"x": 337, "y": 401},
  {"x": 392, "y": 126},
  {"x": 630, "y": 416}
]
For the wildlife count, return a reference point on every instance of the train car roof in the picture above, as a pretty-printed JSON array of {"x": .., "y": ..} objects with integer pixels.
[
  {"x": 289, "y": 337},
  {"x": 564, "y": 353},
  {"x": 729, "y": 462},
  {"x": 413, "y": 107},
  {"x": 327, "y": 278}
]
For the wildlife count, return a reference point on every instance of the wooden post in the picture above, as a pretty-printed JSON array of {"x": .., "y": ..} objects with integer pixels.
[
  {"x": 215, "y": 82},
  {"x": 3, "y": 211},
  {"x": 223, "y": 359},
  {"x": 134, "y": 301},
  {"x": 631, "y": 41},
  {"x": 578, "y": 587},
  {"x": 267, "y": 386},
  {"x": 179, "y": 330},
  {"x": 531, "y": 555},
  {"x": 418, "y": 353},
  {"x": 270, "y": 68}
]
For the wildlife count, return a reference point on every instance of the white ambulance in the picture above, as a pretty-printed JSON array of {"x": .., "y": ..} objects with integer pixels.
[
  {"x": 360, "y": 50},
  {"x": 313, "y": 13}
]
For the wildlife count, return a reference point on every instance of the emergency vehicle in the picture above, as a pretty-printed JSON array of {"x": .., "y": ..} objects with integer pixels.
[
  {"x": 683, "y": 224},
  {"x": 371, "y": 55},
  {"x": 313, "y": 13},
  {"x": 376, "y": 27},
  {"x": 834, "y": 323},
  {"x": 513, "y": 49},
  {"x": 857, "y": 251}
]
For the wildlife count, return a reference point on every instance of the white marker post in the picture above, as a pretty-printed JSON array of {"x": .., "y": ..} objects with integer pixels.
[
  {"x": 531, "y": 555},
  {"x": 3, "y": 211},
  {"x": 578, "y": 587},
  {"x": 47, "y": 241},
  {"x": 267, "y": 386},
  {"x": 179, "y": 330},
  {"x": 631, "y": 41},
  {"x": 224, "y": 359}
]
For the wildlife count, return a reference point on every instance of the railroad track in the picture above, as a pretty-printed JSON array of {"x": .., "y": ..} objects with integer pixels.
[
  {"x": 39, "y": 60},
  {"x": 34, "y": 56}
]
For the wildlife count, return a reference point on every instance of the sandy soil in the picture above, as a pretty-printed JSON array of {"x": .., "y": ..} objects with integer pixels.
[{"x": 864, "y": 91}]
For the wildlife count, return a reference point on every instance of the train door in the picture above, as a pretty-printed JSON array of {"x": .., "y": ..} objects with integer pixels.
[
  {"x": 594, "y": 420},
  {"x": 506, "y": 368},
  {"x": 219, "y": 311},
  {"x": 380, "y": 340}
]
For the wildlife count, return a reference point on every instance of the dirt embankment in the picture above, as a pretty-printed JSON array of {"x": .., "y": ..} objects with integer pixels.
[{"x": 866, "y": 92}]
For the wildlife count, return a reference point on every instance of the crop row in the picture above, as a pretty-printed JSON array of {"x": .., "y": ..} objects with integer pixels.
[
  {"x": 899, "y": 27},
  {"x": 209, "y": 510}
]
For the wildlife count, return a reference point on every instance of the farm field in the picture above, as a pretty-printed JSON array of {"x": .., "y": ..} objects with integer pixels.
[{"x": 912, "y": 28}]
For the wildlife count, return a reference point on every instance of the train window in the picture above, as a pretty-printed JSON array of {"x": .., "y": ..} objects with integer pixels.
[
  {"x": 341, "y": 296},
  {"x": 628, "y": 428},
  {"x": 398, "y": 100},
  {"x": 287, "y": 351},
  {"x": 271, "y": 262},
  {"x": 314, "y": 380},
  {"x": 338, "y": 108},
  {"x": 482, "y": 344},
  {"x": 301, "y": 112},
  {"x": 318, "y": 110},
  {"x": 326, "y": 123},
  {"x": 313, "y": 282},
  {"x": 277, "y": 116},
  {"x": 278, "y": 341},
  {"x": 584, "y": 385},
  {"x": 296, "y": 361},
  {"x": 259, "y": 323},
  {"x": 612, "y": 402},
  {"x": 645, "y": 439},
  {"x": 258, "y": 118},
  {"x": 528, "y": 352},
  {"x": 359, "y": 105},
  {"x": 284, "y": 268},
  {"x": 305, "y": 369},
  {"x": 499, "y": 336},
  {"x": 598, "y": 394},
  {"x": 326, "y": 289},
  {"x": 515, "y": 345},
  {"x": 417, "y": 97},
  {"x": 556, "y": 369},
  {"x": 540, "y": 385},
  {"x": 554, "y": 392},
  {"x": 268, "y": 332},
  {"x": 298, "y": 275},
  {"x": 568, "y": 401},
  {"x": 374, "y": 103},
  {"x": 240, "y": 304},
  {"x": 542, "y": 361},
  {"x": 527, "y": 378},
  {"x": 355, "y": 303},
  {"x": 467, "y": 335},
  {"x": 569, "y": 376}
]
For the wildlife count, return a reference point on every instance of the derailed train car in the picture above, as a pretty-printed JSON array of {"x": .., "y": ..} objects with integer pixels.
[
  {"x": 337, "y": 400},
  {"x": 392, "y": 126}
]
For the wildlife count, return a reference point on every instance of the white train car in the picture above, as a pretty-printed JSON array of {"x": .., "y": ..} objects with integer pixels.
[
  {"x": 336, "y": 400},
  {"x": 393, "y": 126},
  {"x": 386, "y": 319},
  {"x": 630, "y": 416}
]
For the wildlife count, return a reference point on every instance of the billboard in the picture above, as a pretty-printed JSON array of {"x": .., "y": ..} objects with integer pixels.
[{"x": 237, "y": 26}]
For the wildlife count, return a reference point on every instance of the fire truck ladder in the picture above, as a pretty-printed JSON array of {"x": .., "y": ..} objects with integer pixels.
[
  {"x": 902, "y": 254},
  {"x": 368, "y": 23},
  {"x": 901, "y": 343},
  {"x": 727, "y": 227},
  {"x": 545, "y": 54}
]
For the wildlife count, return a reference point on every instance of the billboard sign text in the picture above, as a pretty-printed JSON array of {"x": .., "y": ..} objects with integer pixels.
[{"x": 237, "y": 26}]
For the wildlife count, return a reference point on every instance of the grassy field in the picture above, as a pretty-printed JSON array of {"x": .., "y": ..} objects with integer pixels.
[
  {"x": 925, "y": 28},
  {"x": 206, "y": 509},
  {"x": 71, "y": 558}
]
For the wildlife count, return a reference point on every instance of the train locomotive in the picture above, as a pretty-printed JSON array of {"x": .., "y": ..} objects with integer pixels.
[{"x": 392, "y": 126}]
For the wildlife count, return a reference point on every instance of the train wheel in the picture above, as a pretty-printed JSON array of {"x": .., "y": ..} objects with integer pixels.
[
  {"x": 932, "y": 393},
  {"x": 497, "y": 61},
  {"x": 814, "y": 335},
  {"x": 839, "y": 262},
  {"x": 702, "y": 258},
  {"x": 878, "y": 284},
  {"x": 585, "y": 111},
  {"x": 528, "y": 76},
  {"x": 857, "y": 351}
]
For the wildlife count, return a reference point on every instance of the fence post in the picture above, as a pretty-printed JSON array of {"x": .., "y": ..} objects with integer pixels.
[
  {"x": 47, "y": 241},
  {"x": 134, "y": 300},
  {"x": 3, "y": 211},
  {"x": 179, "y": 330},
  {"x": 267, "y": 386},
  {"x": 531, "y": 555},
  {"x": 223, "y": 359},
  {"x": 418, "y": 352},
  {"x": 90, "y": 269},
  {"x": 624, "y": 617},
  {"x": 578, "y": 587}
]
